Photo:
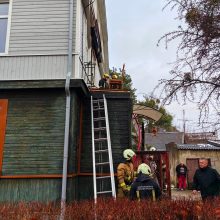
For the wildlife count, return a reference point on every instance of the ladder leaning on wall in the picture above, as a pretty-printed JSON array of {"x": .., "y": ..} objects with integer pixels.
[{"x": 103, "y": 172}]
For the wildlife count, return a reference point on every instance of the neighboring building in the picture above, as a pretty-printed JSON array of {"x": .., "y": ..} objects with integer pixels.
[
  {"x": 190, "y": 154},
  {"x": 199, "y": 138},
  {"x": 198, "y": 145},
  {"x": 35, "y": 37},
  {"x": 162, "y": 138},
  {"x": 215, "y": 143}
]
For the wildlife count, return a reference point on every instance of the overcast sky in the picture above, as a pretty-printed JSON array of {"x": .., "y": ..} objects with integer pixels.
[{"x": 134, "y": 27}]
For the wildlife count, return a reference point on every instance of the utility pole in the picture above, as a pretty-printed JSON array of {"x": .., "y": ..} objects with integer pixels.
[{"x": 184, "y": 120}]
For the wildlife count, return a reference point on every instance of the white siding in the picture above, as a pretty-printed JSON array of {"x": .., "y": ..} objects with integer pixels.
[
  {"x": 38, "y": 43},
  {"x": 39, "y": 27},
  {"x": 33, "y": 67},
  {"x": 83, "y": 42}
]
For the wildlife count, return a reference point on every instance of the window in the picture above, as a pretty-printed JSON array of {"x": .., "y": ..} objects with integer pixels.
[{"x": 4, "y": 8}]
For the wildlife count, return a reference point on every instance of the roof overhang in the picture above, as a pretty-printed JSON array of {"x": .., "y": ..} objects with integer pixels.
[{"x": 147, "y": 112}]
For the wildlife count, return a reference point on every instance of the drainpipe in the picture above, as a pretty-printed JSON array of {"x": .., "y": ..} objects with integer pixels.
[{"x": 67, "y": 119}]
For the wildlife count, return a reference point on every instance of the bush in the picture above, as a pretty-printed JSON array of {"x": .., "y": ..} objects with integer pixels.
[{"x": 108, "y": 209}]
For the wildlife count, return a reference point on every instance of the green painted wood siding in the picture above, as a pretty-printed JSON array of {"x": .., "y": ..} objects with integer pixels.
[
  {"x": 85, "y": 184},
  {"x": 35, "y": 132},
  {"x": 43, "y": 190},
  {"x": 74, "y": 132}
]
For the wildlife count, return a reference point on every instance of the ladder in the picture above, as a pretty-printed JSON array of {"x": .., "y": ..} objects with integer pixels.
[{"x": 101, "y": 149}]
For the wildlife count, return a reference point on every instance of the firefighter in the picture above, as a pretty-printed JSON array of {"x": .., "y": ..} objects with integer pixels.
[
  {"x": 103, "y": 82},
  {"x": 114, "y": 76},
  {"x": 114, "y": 83},
  {"x": 153, "y": 165},
  {"x": 125, "y": 173},
  {"x": 144, "y": 187}
]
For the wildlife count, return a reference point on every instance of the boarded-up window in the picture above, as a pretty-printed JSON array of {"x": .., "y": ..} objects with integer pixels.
[{"x": 3, "y": 119}]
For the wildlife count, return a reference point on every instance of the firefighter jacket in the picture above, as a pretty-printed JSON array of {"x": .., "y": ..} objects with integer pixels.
[
  {"x": 144, "y": 187},
  {"x": 125, "y": 176}
]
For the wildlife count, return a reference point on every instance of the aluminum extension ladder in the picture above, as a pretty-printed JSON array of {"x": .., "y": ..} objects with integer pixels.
[{"x": 101, "y": 150}]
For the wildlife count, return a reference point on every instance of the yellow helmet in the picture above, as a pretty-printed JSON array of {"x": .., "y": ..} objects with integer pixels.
[
  {"x": 144, "y": 168},
  {"x": 105, "y": 75},
  {"x": 153, "y": 149},
  {"x": 128, "y": 154},
  {"x": 114, "y": 76}
]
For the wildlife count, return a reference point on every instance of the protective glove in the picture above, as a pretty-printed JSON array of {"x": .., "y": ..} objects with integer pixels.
[
  {"x": 128, "y": 188},
  {"x": 125, "y": 188},
  {"x": 128, "y": 178}
]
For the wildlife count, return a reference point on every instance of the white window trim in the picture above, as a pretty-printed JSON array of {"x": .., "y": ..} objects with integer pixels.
[{"x": 8, "y": 26}]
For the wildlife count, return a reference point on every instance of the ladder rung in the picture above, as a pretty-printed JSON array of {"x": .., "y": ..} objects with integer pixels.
[
  {"x": 99, "y": 119},
  {"x": 100, "y": 139},
  {"x": 98, "y": 100},
  {"x": 100, "y": 129},
  {"x": 103, "y": 177},
  {"x": 98, "y": 109},
  {"x": 104, "y": 163},
  {"x": 101, "y": 151},
  {"x": 103, "y": 192}
]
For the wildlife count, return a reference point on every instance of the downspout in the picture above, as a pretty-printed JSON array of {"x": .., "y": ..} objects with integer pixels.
[{"x": 67, "y": 119}]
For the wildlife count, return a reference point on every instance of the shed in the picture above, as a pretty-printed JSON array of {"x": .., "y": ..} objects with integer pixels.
[{"x": 190, "y": 154}]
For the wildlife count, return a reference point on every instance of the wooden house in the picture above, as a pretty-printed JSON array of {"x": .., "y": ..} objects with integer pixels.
[{"x": 50, "y": 51}]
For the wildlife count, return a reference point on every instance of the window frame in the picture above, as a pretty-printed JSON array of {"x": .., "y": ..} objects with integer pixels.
[{"x": 8, "y": 17}]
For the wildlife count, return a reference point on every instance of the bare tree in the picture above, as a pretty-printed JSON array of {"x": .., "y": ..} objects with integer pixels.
[{"x": 195, "y": 75}]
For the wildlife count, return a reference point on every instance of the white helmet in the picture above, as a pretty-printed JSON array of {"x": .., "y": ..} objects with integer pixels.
[
  {"x": 144, "y": 168},
  {"x": 153, "y": 149},
  {"x": 128, "y": 154}
]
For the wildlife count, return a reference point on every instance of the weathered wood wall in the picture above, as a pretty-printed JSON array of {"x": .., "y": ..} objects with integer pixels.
[
  {"x": 44, "y": 190},
  {"x": 34, "y": 143},
  {"x": 35, "y": 137}
]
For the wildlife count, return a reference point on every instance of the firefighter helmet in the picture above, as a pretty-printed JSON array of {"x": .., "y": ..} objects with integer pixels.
[
  {"x": 105, "y": 75},
  {"x": 114, "y": 76},
  {"x": 128, "y": 154},
  {"x": 153, "y": 149},
  {"x": 144, "y": 168}
]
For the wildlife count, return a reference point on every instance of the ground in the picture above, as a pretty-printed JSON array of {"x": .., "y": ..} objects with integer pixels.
[{"x": 185, "y": 194}]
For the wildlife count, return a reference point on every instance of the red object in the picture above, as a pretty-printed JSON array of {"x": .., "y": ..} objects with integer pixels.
[
  {"x": 115, "y": 84},
  {"x": 154, "y": 131},
  {"x": 3, "y": 121},
  {"x": 182, "y": 182},
  {"x": 138, "y": 131}
]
